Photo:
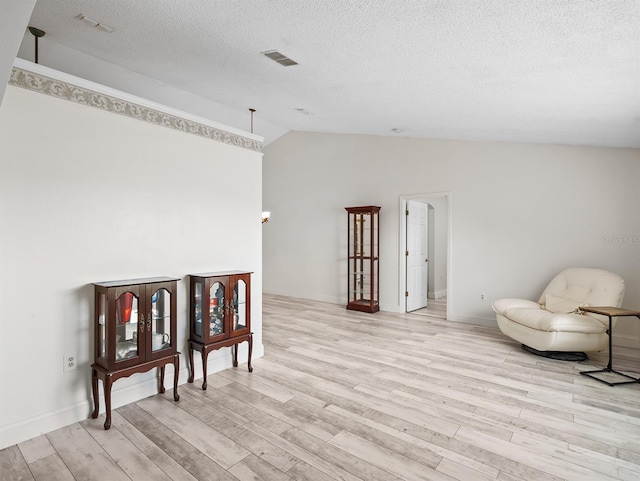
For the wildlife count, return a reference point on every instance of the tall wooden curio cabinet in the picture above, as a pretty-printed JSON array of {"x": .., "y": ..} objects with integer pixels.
[
  {"x": 363, "y": 250},
  {"x": 220, "y": 315},
  {"x": 134, "y": 331}
]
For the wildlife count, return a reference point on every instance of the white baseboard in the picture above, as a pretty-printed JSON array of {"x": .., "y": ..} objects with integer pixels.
[
  {"x": 332, "y": 300},
  {"x": 478, "y": 321},
  {"x": 299, "y": 295},
  {"x": 25, "y": 429},
  {"x": 392, "y": 308},
  {"x": 632, "y": 342},
  {"x": 437, "y": 294}
]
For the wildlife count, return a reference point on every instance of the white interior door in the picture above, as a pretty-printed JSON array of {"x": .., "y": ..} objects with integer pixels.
[{"x": 416, "y": 254}]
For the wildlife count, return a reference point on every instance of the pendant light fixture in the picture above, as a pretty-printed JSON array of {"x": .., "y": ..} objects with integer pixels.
[
  {"x": 37, "y": 33},
  {"x": 252, "y": 112}
]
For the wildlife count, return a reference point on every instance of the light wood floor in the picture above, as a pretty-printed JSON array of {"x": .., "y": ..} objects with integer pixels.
[
  {"x": 342, "y": 395},
  {"x": 435, "y": 308}
]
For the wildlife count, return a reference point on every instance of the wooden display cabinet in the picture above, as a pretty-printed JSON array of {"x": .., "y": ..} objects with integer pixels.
[
  {"x": 363, "y": 275},
  {"x": 135, "y": 331},
  {"x": 220, "y": 315}
]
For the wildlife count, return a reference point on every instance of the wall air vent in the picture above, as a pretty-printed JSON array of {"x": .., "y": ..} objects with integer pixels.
[{"x": 278, "y": 57}]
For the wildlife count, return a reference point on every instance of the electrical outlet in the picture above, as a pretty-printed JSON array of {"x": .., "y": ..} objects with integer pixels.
[
  {"x": 69, "y": 362},
  {"x": 482, "y": 297}
]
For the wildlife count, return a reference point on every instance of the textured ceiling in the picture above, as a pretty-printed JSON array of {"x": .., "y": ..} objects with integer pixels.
[{"x": 557, "y": 71}]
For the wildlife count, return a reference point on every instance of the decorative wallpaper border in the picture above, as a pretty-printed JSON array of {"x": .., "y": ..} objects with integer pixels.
[{"x": 80, "y": 95}]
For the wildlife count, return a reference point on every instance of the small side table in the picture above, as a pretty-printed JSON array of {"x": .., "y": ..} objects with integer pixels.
[{"x": 610, "y": 312}]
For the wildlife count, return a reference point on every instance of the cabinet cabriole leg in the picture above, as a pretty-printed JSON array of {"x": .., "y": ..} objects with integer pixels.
[
  {"x": 250, "y": 340},
  {"x": 205, "y": 354},
  {"x": 161, "y": 387},
  {"x": 191, "y": 366},
  {"x": 96, "y": 398},
  {"x": 107, "y": 400},
  {"x": 235, "y": 354},
  {"x": 176, "y": 372}
]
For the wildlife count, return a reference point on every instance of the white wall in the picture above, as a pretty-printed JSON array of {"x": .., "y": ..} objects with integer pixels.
[
  {"x": 13, "y": 24},
  {"x": 86, "y": 196},
  {"x": 519, "y": 214},
  {"x": 438, "y": 243}
]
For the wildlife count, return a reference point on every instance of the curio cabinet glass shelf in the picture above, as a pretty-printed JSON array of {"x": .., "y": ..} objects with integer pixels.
[
  {"x": 363, "y": 258},
  {"x": 134, "y": 331}
]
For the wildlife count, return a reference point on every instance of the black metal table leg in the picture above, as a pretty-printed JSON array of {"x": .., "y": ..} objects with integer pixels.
[{"x": 609, "y": 368}]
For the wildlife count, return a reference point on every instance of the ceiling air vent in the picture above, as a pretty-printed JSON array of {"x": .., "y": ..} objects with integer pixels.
[{"x": 281, "y": 59}]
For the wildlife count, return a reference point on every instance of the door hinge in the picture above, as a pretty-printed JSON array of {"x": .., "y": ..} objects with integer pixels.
[
  {"x": 406, "y": 212},
  {"x": 406, "y": 293},
  {"x": 406, "y": 253}
]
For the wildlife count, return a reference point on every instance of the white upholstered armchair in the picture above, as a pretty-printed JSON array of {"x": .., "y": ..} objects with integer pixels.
[{"x": 554, "y": 326}]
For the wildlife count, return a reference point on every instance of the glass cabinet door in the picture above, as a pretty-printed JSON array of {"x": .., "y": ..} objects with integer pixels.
[
  {"x": 127, "y": 305},
  {"x": 239, "y": 311},
  {"x": 101, "y": 327},
  {"x": 198, "y": 287},
  {"x": 158, "y": 320},
  {"x": 374, "y": 235},
  {"x": 216, "y": 309}
]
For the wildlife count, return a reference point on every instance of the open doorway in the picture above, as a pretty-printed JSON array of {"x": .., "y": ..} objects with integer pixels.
[{"x": 424, "y": 253}]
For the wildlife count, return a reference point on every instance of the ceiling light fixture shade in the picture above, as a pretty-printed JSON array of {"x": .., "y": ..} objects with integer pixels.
[
  {"x": 265, "y": 216},
  {"x": 37, "y": 32}
]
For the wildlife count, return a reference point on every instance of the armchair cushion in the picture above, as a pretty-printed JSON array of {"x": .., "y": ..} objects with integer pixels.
[
  {"x": 530, "y": 314},
  {"x": 561, "y": 305}
]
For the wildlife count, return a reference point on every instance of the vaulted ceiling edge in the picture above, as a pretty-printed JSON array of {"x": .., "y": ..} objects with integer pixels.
[{"x": 83, "y": 96}]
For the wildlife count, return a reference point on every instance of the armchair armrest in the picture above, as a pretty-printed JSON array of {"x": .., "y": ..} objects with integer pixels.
[{"x": 502, "y": 305}]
